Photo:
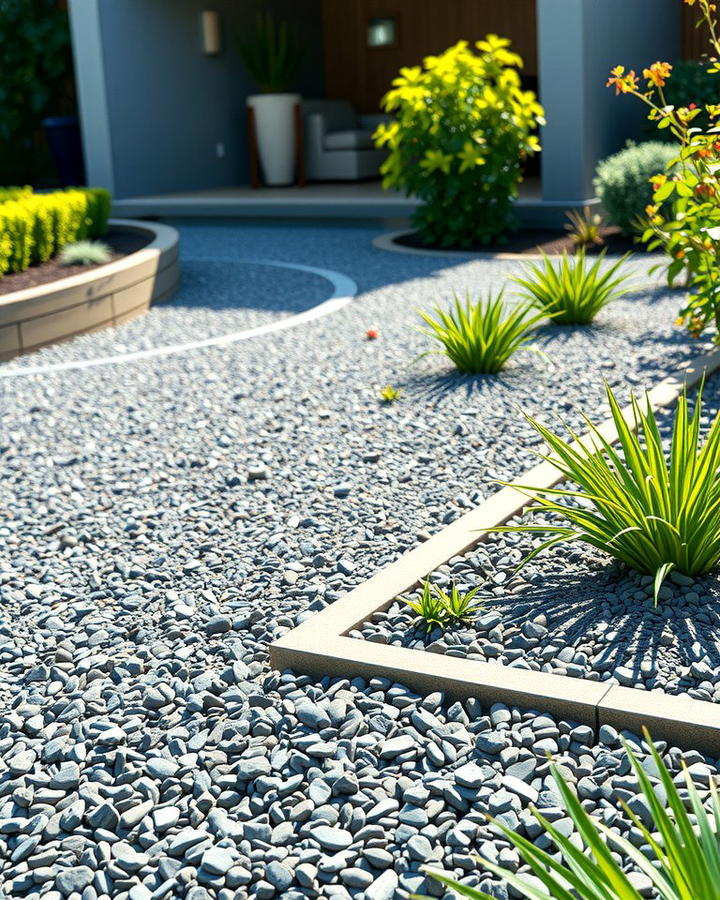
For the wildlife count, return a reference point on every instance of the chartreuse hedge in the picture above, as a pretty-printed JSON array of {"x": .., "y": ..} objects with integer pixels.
[{"x": 34, "y": 227}]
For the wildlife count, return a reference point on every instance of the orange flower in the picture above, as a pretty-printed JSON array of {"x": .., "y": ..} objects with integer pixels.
[
  {"x": 704, "y": 189},
  {"x": 680, "y": 254},
  {"x": 657, "y": 181},
  {"x": 658, "y": 73},
  {"x": 704, "y": 152},
  {"x": 372, "y": 333},
  {"x": 623, "y": 83}
]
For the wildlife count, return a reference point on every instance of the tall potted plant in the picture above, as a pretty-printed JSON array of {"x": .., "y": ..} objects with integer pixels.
[{"x": 272, "y": 54}]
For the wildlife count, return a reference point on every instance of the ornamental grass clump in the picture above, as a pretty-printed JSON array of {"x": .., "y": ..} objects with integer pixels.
[
  {"x": 571, "y": 292},
  {"x": 85, "y": 253},
  {"x": 653, "y": 510},
  {"x": 481, "y": 337},
  {"x": 684, "y": 838}
]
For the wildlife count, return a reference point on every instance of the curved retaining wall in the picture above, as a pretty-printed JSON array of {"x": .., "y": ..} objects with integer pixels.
[{"x": 104, "y": 296}]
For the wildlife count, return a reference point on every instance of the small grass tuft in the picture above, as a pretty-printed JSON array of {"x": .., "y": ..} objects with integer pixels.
[
  {"x": 390, "y": 394},
  {"x": 436, "y": 607},
  {"x": 85, "y": 253},
  {"x": 584, "y": 227},
  {"x": 481, "y": 337},
  {"x": 570, "y": 292}
]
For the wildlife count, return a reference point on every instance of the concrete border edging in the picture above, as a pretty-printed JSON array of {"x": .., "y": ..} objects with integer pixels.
[
  {"x": 99, "y": 298},
  {"x": 320, "y": 646},
  {"x": 388, "y": 243}
]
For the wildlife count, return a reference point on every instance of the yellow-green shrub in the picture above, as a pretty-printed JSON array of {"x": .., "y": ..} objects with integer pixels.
[
  {"x": 462, "y": 126},
  {"x": 34, "y": 227},
  {"x": 16, "y": 222},
  {"x": 14, "y": 193}
]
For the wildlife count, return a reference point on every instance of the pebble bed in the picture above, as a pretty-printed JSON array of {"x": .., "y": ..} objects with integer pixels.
[
  {"x": 574, "y": 611},
  {"x": 164, "y": 520}
]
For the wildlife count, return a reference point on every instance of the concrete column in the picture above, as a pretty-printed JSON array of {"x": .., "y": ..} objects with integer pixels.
[
  {"x": 578, "y": 43},
  {"x": 92, "y": 93}
]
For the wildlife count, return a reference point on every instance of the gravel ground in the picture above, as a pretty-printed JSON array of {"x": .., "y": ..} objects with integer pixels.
[
  {"x": 164, "y": 520},
  {"x": 214, "y": 298}
]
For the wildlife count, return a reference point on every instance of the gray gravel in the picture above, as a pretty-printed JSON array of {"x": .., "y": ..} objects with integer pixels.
[
  {"x": 574, "y": 611},
  {"x": 166, "y": 519}
]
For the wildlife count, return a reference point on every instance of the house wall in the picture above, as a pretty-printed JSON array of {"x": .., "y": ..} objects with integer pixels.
[
  {"x": 154, "y": 108},
  {"x": 362, "y": 74},
  {"x": 579, "y": 41}
]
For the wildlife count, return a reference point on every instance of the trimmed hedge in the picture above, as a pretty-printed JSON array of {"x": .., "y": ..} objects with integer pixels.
[
  {"x": 33, "y": 227},
  {"x": 622, "y": 181}
]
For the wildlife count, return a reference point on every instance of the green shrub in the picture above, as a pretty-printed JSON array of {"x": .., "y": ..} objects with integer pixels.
[
  {"x": 34, "y": 227},
  {"x": 654, "y": 510},
  {"x": 481, "y": 337},
  {"x": 36, "y": 82},
  {"x": 622, "y": 182},
  {"x": 85, "y": 253},
  {"x": 16, "y": 222},
  {"x": 584, "y": 865},
  {"x": 463, "y": 126},
  {"x": 98, "y": 210},
  {"x": 14, "y": 193},
  {"x": 569, "y": 292}
]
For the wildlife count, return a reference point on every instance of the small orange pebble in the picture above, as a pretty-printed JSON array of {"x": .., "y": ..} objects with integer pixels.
[{"x": 372, "y": 333}]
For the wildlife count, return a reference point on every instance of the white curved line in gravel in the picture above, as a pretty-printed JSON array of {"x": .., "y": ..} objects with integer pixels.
[{"x": 344, "y": 291}]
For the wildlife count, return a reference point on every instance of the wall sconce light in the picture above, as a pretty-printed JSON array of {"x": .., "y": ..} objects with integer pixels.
[
  {"x": 210, "y": 31},
  {"x": 382, "y": 31}
]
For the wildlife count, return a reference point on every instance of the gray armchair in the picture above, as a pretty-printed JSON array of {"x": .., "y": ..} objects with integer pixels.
[{"x": 338, "y": 144}]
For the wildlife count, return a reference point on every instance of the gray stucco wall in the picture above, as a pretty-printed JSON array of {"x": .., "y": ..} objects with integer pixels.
[
  {"x": 154, "y": 107},
  {"x": 579, "y": 41}
]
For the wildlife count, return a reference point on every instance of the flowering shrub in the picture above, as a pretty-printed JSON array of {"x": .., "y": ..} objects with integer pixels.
[
  {"x": 463, "y": 126},
  {"x": 691, "y": 236}
]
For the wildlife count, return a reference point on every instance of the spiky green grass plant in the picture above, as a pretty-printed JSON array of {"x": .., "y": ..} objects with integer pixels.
[
  {"x": 481, "y": 337},
  {"x": 85, "y": 253},
  {"x": 461, "y": 607},
  {"x": 654, "y": 510},
  {"x": 584, "y": 227},
  {"x": 430, "y": 607},
  {"x": 437, "y": 607},
  {"x": 570, "y": 291},
  {"x": 686, "y": 846}
]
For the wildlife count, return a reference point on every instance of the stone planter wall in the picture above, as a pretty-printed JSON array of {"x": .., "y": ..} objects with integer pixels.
[{"x": 104, "y": 296}]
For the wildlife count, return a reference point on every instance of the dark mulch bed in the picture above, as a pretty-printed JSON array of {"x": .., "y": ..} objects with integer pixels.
[
  {"x": 530, "y": 241},
  {"x": 122, "y": 243}
]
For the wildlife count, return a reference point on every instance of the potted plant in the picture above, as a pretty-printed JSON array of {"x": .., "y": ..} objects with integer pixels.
[{"x": 272, "y": 56}]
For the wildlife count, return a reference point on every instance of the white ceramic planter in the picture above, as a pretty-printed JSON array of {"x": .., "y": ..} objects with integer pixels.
[{"x": 275, "y": 129}]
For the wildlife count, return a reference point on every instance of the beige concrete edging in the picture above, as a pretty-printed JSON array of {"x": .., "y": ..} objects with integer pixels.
[
  {"x": 319, "y": 646},
  {"x": 104, "y": 296},
  {"x": 388, "y": 242}
]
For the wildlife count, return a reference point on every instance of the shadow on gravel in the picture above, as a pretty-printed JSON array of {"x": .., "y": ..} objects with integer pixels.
[
  {"x": 226, "y": 285},
  {"x": 576, "y": 602}
]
